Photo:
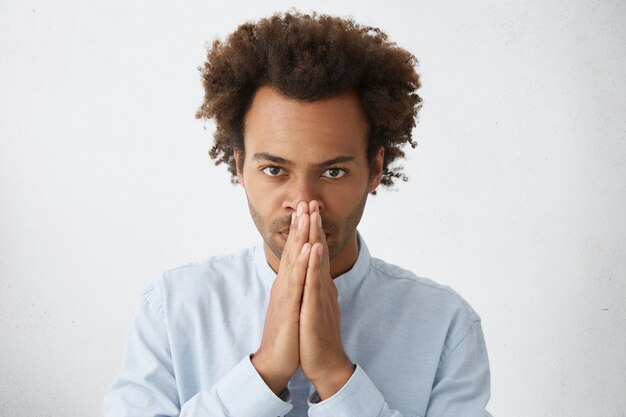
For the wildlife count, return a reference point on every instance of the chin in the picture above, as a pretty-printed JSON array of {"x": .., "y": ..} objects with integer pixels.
[{"x": 276, "y": 244}]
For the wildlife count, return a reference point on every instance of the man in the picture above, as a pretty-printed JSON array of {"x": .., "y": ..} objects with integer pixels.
[{"x": 310, "y": 112}]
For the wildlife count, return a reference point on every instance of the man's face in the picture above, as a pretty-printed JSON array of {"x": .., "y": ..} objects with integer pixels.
[{"x": 303, "y": 151}]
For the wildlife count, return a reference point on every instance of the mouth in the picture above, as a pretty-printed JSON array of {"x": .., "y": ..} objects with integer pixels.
[{"x": 284, "y": 234}]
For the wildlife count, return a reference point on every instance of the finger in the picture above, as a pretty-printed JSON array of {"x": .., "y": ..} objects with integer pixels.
[
  {"x": 315, "y": 228},
  {"x": 301, "y": 233},
  {"x": 293, "y": 226},
  {"x": 304, "y": 206},
  {"x": 294, "y": 242},
  {"x": 297, "y": 277},
  {"x": 312, "y": 282},
  {"x": 314, "y": 206},
  {"x": 317, "y": 233}
]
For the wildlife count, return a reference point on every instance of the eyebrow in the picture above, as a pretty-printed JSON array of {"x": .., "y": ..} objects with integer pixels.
[{"x": 264, "y": 156}]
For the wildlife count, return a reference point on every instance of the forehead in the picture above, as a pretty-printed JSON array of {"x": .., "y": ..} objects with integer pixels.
[{"x": 319, "y": 129}]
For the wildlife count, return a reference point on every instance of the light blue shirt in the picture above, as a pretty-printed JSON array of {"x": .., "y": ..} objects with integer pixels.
[{"x": 417, "y": 345}]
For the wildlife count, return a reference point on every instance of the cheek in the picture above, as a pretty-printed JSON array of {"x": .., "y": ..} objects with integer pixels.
[
  {"x": 264, "y": 196},
  {"x": 343, "y": 208},
  {"x": 344, "y": 198},
  {"x": 338, "y": 205}
]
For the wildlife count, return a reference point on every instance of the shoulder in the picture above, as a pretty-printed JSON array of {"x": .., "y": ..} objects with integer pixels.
[
  {"x": 396, "y": 275},
  {"x": 193, "y": 279},
  {"x": 426, "y": 297},
  {"x": 211, "y": 267}
]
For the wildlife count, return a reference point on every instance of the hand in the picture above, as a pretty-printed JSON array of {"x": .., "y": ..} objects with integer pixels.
[
  {"x": 322, "y": 356},
  {"x": 277, "y": 359}
]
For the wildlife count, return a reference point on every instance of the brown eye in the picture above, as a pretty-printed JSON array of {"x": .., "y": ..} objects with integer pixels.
[
  {"x": 334, "y": 173},
  {"x": 272, "y": 171}
]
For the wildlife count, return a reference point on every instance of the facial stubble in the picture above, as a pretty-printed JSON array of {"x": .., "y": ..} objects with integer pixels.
[{"x": 270, "y": 229}]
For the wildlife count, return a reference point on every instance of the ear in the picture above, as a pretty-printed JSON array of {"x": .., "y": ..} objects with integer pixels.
[
  {"x": 377, "y": 169},
  {"x": 238, "y": 165}
]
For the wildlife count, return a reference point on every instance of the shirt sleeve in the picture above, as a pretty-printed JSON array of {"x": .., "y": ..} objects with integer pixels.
[
  {"x": 358, "y": 397},
  {"x": 461, "y": 387},
  {"x": 462, "y": 382},
  {"x": 146, "y": 384}
]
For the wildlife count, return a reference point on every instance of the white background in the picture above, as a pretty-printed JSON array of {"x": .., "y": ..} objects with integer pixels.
[{"x": 515, "y": 199}]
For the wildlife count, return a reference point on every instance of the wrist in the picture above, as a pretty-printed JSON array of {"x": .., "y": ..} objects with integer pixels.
[
  {"x": 272, "y": 379},
  {"x": 329, "y": 385}
]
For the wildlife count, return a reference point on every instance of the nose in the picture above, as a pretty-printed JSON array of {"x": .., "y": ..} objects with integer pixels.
[{"x": 302, "y": 189}]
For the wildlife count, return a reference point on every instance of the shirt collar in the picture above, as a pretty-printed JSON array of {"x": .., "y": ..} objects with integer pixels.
[{"x": 343, "y": 282}]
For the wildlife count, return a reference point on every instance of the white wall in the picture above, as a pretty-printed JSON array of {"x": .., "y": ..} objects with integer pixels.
[{"x": 515, "y": 199}]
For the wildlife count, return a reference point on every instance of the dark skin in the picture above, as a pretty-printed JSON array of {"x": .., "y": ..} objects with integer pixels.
[
  {"x": 307, "y": 275},
  {"x": 306, "y": 177}
]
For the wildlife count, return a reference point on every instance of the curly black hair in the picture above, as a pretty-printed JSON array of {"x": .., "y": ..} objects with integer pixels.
[{"x": 310, "y": 57}]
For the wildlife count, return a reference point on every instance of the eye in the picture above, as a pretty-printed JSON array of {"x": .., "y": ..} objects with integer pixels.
[
  {"x": 334, "y": 173},
  {"x": 273, "y": 171}
]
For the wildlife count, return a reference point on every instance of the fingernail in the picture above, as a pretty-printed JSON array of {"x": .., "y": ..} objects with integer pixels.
[
  {"x": 319, "y": 220},
  {"x": 300, "y": 222},
  {"x": 299, "y": 209},
  {"x": 293, "y": 217},
  {"x": 305, "y": 247}
]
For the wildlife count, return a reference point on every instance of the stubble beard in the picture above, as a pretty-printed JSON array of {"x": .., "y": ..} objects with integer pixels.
[{"x": 270, "y": 229}]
